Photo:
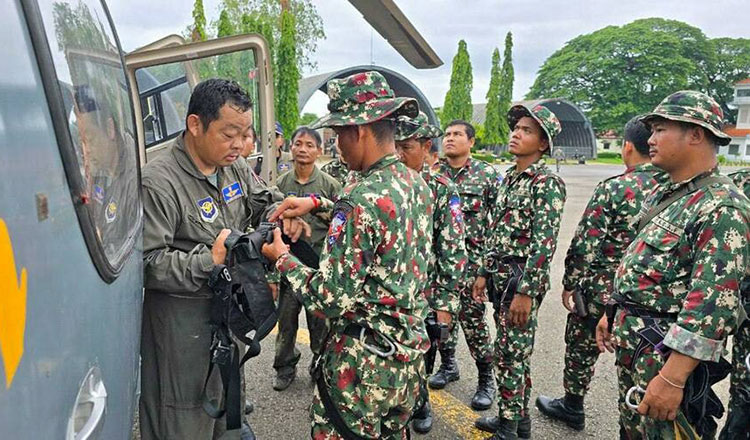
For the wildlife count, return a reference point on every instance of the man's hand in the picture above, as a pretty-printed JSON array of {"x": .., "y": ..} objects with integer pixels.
[
  {"x": 478, "y": 291},
  {"x": 275, "y": 249},
  {"x": 603, "y": 336},
  {"x": 292, "y": 207},
  {"x": 567, "y": 300},
  {"x": 295, "y": 227},
  {"x": 274, "y": 290},
  {"x": 520, "y": 309},
  {"x": 661, "y": 401},
  {"x": 218, "y": 250},
  {"x": 443, "y": 317}
]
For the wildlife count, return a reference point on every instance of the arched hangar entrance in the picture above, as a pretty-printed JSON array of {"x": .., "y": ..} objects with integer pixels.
[
  {"x": 400, "y": 84},
  {"x": 577, "y": 138}
]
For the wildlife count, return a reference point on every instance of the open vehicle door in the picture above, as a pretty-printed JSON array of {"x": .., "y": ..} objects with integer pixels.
[{"x": 162, "y": 76}]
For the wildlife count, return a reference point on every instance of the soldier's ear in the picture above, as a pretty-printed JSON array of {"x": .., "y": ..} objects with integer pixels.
[{"x": 194, "y": 125}]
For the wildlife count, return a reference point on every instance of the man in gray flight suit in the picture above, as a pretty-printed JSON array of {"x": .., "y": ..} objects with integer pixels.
[
  {"x": 304, "y": 180},
  {"x": 194, "y": 194}
]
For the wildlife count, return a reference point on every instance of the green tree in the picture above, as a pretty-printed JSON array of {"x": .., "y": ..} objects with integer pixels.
[
  {"x": 307, "y": 118},
  {"x": 493, "y": 118},
  {"x": 199, "y": 22},
  {"x": 227, "y": 66},
  {"x": 732, "y": 65},
  {"x": 458, "y": 99},
  {"x": 287, "y": 83},
  {"x": 507, "y": 77},
  {"x": 616, "y": 72},
  {"x": 308, "y": 24}
]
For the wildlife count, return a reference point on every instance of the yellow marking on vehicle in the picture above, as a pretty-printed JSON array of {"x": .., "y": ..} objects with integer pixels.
[
  {"x": 12, "y": 307},
  {"x": 453, "y": 412}
]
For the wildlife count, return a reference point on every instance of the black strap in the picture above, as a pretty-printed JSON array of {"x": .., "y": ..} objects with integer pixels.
[{"x": 689, "y": 188}]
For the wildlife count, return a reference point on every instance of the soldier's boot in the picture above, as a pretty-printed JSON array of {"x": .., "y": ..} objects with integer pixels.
[
  {"x": 246, "y": 433},
  {"x": 422, "y": 419},
  {"x": 737, "y": 425},
  {"x": 505, "y": 429},
  {"x": 491, "y": 423},
  {"x": 485, "y": 394},
  {"x": 568, "y": 409},
  {"x": 448, "y": 371},
  {"x": 284, "y": 379}
]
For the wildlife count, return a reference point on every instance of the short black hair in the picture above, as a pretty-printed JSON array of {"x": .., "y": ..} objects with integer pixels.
[
  {"x": 383, "y": 130},
  {"x": 210, "y": 96},
  {"x": 310, "y": 132},
  {"x": 470, "y": 131},
  {"x": 637, "y": 133}
]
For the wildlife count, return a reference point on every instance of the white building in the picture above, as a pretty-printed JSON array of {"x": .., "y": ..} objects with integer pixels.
[{"x": 739, "y": 147}]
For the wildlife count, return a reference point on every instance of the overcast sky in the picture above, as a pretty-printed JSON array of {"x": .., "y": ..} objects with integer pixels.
[{"x": 540, "y": 27}]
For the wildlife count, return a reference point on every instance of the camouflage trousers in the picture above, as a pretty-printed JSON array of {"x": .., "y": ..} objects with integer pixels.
[
  {"x": 370, "y": 392},
  {"x": 472, "y": 321},
  {"x": 512, "y": 359},
  {"x": 581, "y": 352},
  {"x": 287, "y": 355},
  {"x": 739, "y": 388},
  {"x": 640, "y": 373}
]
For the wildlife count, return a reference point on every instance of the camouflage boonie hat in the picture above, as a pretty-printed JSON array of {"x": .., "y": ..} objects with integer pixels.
[
  {"x": 361, "y": 99},
  {"x": 417, "y": 128},
  {"x": 541, "y": 114},
  {"x": 692, "y": 107}
]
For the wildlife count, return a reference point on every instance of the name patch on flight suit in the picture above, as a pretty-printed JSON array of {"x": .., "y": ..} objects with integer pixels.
[
  {"x": 207, "y": 209},
  {"x": 231, "y": 192}
]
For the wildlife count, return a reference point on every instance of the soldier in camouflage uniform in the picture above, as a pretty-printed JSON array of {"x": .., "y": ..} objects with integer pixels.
[
  {"x": 678, "y": 285},
  {"x": 477, "y": 183},
  {"x": 448, "y": 258},
  {"x": 737, "y": 425},
  {"x": 336, "y": 169},
  {"x": 302, "y": 181},
  {"x": 523, "y": 234},
  {"x": 372, "y": 271},
  {"x": 600, "y": 240}
]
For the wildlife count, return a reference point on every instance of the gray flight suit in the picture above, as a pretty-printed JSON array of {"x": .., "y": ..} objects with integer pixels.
[
  {"x": 183, "y": 214},
  {"x": 287, "y": 354}
]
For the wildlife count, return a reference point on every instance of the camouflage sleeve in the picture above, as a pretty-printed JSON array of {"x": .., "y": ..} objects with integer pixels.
[
  {"x": 450, "y": 250},
  {"x": 548, "y": 199},
  {"x": 348, "y": 251},
  {"x": 710, "y": 309},
  {"x": 588, "y": 237},
  {"x": 273, "y": 276},
  {"x": 164, "y": 267},
  {"x": 490, "y": 215}
]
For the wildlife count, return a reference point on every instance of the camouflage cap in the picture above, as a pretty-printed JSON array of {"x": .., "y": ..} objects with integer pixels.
[
  {"x": 361, "y": 99},
  {"x": 692, "y": 107},
  {"x": 541, "y": 114},
  {"x": 417, "y": 128}
]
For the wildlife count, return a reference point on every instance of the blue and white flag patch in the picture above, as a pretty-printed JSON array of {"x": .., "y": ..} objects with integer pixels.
[{"x": 231, "y": 192}]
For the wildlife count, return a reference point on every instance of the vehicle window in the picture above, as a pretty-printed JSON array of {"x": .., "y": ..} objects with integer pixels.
[
  {"x": 164, "y": 90},
  {"x": 99, "y": 117}
]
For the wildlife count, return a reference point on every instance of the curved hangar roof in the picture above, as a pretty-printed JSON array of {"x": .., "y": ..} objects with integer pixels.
[
  {"x": 400, "y": 84},
  {"x": 577, "y": 136}
]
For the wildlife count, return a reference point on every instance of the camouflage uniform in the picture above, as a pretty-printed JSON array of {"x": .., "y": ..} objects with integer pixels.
[
  {"x": 287, "y": 355},
  {"x": 477, "y": 183},
  {"x": 603, "y": 234},
  {"x": 739, "y": 388},
  {"x": 336, "y": 169},
  {"x": 525, "y": 223},
  {"x": 687, "y": 261},
  {"x": 372, "y": 272}
]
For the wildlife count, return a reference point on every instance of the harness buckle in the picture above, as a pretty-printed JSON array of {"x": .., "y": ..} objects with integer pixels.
[
  {"x": 376, "y": 350},
  {"x": 221, "y": 354},
  {"x": 629, "y": 395}
]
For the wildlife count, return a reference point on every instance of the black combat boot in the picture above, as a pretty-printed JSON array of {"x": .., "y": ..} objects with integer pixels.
[
  {"x": 448, "y": 371},
  {"x": 485, "y": 393},
  {"x": 422, "y": 419},
  {"x": 568, "y": 409},
  {"x": 504, "y": 429},
  {"x": 491, "y": 423}
]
